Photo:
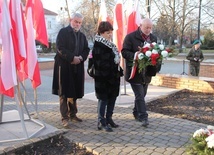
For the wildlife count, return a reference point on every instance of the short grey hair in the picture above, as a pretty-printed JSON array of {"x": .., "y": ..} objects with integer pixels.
[
  {"x": 146, "y": 20},
  {"x": 76, "y": 15}
]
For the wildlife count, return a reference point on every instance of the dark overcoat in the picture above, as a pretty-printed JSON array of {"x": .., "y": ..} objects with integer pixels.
[
  {"x": 107, "y": 74},
  {"x": 68, "y": 79},
  {"x": 130, "y": 45}
]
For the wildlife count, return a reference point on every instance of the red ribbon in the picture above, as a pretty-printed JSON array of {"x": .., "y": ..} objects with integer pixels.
[{"x": 134, "y": 67}]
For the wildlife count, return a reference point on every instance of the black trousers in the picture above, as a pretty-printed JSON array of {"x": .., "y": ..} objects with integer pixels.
[
  {"x": 105, "y": 109},
  {"x": 140, "y": 91}
]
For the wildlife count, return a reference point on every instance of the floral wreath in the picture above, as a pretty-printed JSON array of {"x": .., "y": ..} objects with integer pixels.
[
  {"x": 202, "y": 142},
  {"x": 149, "y": 55}
]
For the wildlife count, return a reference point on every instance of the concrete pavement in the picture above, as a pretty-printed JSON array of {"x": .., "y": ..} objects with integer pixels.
[{"x": 165, "y": 135}]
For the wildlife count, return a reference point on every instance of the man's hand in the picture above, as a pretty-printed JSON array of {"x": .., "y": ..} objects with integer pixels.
[
  {"x": 80, "y": 57},
  {"x": 140, "y": 48},
  {"x": 195, "y": 59},
  {"x": 76, "y": 60}
]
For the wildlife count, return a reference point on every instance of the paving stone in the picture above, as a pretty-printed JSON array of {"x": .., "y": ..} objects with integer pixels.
[{"x": 164, "y": 136}]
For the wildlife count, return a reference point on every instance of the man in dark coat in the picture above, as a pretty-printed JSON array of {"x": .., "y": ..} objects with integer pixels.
[
  {"x": 140, "y": 81},
  {"x": 69, "y": 76}
]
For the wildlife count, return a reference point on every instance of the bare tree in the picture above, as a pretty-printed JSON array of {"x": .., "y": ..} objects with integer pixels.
[
  {"x": 183, "y": 16},
  {"x": 90, "y": 10},
  {"x": 69, "y": 16},
  {"x": 161, "y": 29}
]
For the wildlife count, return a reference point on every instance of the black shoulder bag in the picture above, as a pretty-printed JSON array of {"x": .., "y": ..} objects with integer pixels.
[{"x": 91, "y": 69}]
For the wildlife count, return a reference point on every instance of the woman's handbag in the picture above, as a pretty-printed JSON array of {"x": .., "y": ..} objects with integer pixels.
[{"x": 91, "y": 69}]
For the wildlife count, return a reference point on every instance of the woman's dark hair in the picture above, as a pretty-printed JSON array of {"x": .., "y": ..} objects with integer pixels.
[{"x": 104, "y": 26}]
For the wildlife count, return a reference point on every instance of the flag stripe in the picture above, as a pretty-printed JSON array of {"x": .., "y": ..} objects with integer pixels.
[
  {"x": 39, "y": 22},
  {"x": 118, "y": 24},
  {"x": 134, "y": 18},
  {"x": 31, "y": 63},
  {"x": 8, "y": 78}
]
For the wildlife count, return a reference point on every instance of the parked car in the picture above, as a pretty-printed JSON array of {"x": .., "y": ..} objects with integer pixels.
[
  {"x": 39, "y": 48},
  {"x": 90, "y": 45}
]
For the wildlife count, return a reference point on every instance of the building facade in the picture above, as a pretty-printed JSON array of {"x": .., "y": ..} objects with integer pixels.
[{"x": 52, "y": 25}]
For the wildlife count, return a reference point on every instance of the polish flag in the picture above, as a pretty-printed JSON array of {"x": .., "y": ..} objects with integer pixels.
[
  {"x": 118, "y": 25},
  {"x": 103, "y": 16},
  {"x": 39, "y": 21},
  {"x": 18, "y": 28},
  {"x": 8, "y": 78},
  {"x": 31, "y": 62},
  {"x": 134, "y": 18}
]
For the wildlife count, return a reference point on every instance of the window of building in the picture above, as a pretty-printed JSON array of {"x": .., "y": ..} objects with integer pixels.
[{"x": 49, "y": 24}]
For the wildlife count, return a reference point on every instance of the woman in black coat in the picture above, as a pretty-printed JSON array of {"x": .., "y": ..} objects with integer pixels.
[{"x": 106, "y": 61}]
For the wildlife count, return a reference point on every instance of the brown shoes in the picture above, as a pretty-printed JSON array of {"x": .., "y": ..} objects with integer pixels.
[
  {"x": 75, "y": 119},
  {"x": 65, "y": 123}
]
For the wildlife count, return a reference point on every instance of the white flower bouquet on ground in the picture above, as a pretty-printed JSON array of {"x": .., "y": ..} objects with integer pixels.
[{"x": 202, "y": 142}]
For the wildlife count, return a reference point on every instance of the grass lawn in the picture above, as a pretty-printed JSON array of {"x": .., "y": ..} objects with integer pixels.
[{"x": 204, "y": 51}]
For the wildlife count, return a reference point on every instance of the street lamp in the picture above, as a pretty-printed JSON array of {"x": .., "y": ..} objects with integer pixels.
[
  {"x": 199, "y": 19},
  {"x": 148, "y": 8}
]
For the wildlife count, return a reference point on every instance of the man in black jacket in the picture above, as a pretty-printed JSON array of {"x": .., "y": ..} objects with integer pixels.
[
  {"x": 69, "y": 76},
  {"x": 140, "y": 81}
]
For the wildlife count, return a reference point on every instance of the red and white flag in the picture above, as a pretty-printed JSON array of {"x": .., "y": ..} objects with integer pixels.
[
  {"x": 134, "y": 18},
  {"x": 8, "y": 78},
  {"x": 103, "y": 16},
  {"x": 133, "y": 22},
  {"x": 31, "y": 62},
  {"x": 118, "y": 25},
  {"x": 19, "y": 31},
  {"x": 39, "y": 22}
]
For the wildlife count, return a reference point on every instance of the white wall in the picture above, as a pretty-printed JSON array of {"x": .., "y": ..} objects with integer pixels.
[{"x": 52, "y": 26}]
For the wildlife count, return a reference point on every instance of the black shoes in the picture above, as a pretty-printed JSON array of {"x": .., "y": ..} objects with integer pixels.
[
  {"x": 135, "y": 117},
  {"x": 111, "y": 122},
  {"x": 105, "y": 127},
  {"x": 145, "y": 123}
]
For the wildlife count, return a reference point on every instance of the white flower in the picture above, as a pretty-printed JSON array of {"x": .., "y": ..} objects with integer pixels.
[
  {"x": 164, "y": 54},
  {"x": 140, "y": 56},
  {"x": 154, "y": 43},
  {"x": 210, "y": 141},
  {"x": 200, "y": 132},
  {"x": 210, "y": 127},
  {"x": 147, "y": 45},
  {"x": 161, "y": 46},
  {"x": 154, "y": 51},
  {"x": 148, "y": 53}
]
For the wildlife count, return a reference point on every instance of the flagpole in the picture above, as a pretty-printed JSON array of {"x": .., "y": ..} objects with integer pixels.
[
  {"x": 35, "y": 99},
  {"x": 124, "y": 80},
  {"x": 1, "y": 108}
]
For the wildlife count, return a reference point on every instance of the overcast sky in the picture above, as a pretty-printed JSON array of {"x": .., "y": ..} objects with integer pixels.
[{"x": 54, "y": 5}]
